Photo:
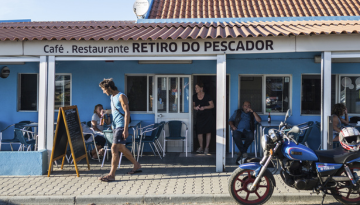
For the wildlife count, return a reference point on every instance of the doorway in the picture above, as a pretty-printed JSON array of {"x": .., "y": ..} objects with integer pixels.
[
  {"x": 209, "y": 82},
  {"x": 173, "y": 102}
]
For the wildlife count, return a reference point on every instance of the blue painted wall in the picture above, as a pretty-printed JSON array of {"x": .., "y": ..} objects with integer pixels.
[
  {"x": 8, "y": 100},
  {"x": 23, "y": 163},
  {"x": 87, "y": 75}
]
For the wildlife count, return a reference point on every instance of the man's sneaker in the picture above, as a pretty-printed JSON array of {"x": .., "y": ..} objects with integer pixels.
[{"x": 238, "y": 158}]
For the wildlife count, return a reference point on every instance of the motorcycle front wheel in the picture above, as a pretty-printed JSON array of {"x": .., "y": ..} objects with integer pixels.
[
  {"x": 239, "y": 187},
  {"x": 343, "y": 193}
]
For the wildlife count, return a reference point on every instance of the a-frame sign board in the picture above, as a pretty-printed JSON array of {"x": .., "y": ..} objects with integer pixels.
[{"x": 68, "y": 132}]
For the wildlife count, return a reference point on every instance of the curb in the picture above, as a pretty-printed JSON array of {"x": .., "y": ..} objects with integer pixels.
[
  {"x": 11, "y": 200},
  {"x": 154, "y": 199}
]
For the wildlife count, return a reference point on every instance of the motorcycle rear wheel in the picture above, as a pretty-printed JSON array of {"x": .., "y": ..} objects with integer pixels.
[
  {"x": 346, "y": 195},
  {"x": 240, "y": 182}
]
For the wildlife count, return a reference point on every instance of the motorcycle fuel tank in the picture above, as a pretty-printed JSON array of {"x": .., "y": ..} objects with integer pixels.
[{"x": 298, "y": 152}]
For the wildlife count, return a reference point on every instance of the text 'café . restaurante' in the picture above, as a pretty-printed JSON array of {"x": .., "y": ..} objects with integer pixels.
[{"x": 302, "y": 57}]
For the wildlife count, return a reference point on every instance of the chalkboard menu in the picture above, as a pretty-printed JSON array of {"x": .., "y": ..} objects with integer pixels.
[{"x": 68, "y": 132}]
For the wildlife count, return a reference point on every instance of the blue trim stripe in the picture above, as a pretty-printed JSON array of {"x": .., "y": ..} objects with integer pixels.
[
  {"x": 149, "y": 11},
  {"x": 263, "y": 19},
  {"x": 19, "y": 20}
]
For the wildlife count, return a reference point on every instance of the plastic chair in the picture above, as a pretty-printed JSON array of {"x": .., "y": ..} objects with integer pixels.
[
  {"x": 313, "y": 141},
  {"x": 20, "y": 135},
  {"x": 175, "y": 128},
  {"x": 306, "y": 127},
  {"x": 155, "y": 130},
  {"x": 14, "y": 140}
]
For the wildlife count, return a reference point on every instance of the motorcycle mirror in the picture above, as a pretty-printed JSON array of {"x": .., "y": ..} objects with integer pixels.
[
  {"x": 295, "y": 129},
  {"x": 287, "y": 114}
]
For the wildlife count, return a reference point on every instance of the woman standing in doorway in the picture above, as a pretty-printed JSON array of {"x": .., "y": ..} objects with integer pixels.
[{"x": 204, "y": 120}]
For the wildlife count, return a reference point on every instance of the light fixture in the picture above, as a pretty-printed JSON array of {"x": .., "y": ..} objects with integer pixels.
[
  {"x": 166, "y": 62},
  {"x": 5, "y": 72},
  {"x": 317, "y": 59}
]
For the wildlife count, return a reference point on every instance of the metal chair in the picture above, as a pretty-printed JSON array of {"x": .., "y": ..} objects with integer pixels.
[
  {"x": 20, "y": 135},
  {"x": 14, "y": 140},
  {"x": 155, "y": 130},
  {"x": 233, "y": 144},
  {"x": 108, "y": 134},
  {"x": 175, "y": 128}
]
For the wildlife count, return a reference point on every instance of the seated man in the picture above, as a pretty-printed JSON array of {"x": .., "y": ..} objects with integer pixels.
[{"x": 242, "y": 122}]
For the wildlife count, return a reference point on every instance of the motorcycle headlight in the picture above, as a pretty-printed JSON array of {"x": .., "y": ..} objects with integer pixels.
[
  {"x": 264, "y": 141},
  {"x": 272, "y": 135}
]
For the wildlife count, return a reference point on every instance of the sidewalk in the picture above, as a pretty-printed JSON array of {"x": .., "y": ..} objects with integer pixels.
[{"x": 174, "y": 179}]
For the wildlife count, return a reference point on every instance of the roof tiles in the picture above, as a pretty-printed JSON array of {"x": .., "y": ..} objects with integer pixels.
[
  {"x": 128, "y": 30},
  {"x": 174, "y": 9}
]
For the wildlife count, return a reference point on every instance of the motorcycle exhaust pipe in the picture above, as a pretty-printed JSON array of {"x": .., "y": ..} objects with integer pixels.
[{"x": 337, "y": 178}]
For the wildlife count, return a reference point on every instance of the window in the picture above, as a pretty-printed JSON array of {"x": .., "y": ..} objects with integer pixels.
[
  {"x": 349, "y": 92},
  {"x": 251, "y": 90},
  {"x": 311, "y": 94},
  {"x": 277, "y": 94},
  {"x": 27, "y": 92},
  {"x": 139, "y": 90},
  {"x": 266, "y": 93},
  {"x": 62, "y": 90}
]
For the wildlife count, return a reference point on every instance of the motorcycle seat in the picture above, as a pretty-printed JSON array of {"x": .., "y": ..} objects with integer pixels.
[{"x": 338, "y": 155}]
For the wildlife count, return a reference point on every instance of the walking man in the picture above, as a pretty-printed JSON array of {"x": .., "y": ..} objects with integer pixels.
[
  {"x": 121, "y": 119},
  {"x": 242, "y": 123}
]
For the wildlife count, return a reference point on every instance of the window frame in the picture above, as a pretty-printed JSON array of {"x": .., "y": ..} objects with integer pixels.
[
  {"x": 19, "y": 92},
  {"x": 263, "y": 91},
  {"x": 338, "y": 88},
  {"x": 71, "y": 84},
  {"x": 147, "y": 91}
]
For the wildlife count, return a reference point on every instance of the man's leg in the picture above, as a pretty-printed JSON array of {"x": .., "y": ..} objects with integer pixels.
[
  {"x": 126, "y": 152},
  {"x": 115, "y": 149},
  {"x": 237, "y": 135},
  {"x": 249, "y": 138}
]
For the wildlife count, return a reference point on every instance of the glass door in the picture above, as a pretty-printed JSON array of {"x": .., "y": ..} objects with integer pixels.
[{"x": 173, "y": 102}]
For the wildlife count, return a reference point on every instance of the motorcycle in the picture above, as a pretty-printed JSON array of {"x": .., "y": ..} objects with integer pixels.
[{"x": 329, "y": 172}]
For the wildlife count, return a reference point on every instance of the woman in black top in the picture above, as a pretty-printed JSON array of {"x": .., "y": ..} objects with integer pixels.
[{"x": 204, "y": 120}]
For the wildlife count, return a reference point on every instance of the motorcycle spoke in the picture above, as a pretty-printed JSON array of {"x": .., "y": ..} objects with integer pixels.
[
  {"x": 348, "y": 194},
  {"x": 239, "y": 189},
  {"x": 262, "y": 186},
  {"x": 249, "y": 175},
  {"x": 257, "y": 194},
  {"x": 240, "y": 180},
  {"x": 247, "y": 196}
]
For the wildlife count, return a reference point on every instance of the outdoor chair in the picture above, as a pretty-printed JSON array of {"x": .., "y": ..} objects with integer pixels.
[
  {"x": 174, "y": 133},
  {"x": 313, "y": 141},
  {"x": 233, "y": 144},
  {"x": 155, "y": 130},
  {"x": 14, "y": 140},
  {"x": 306, "y": 128},
  {"x": 21, "y": 136},
  {"x": 108, "y": 134}
]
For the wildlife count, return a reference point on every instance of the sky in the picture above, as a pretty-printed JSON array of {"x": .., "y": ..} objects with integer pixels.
[{"x": 67, "y": 10}]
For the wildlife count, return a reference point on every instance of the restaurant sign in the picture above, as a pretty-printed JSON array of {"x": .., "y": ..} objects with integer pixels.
[{"x": 160, "y": 47}]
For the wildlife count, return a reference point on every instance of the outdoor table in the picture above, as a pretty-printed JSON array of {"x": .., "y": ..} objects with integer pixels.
[
  {"x": 35, "y": 126},
  {"x": 263, "y": 126}
]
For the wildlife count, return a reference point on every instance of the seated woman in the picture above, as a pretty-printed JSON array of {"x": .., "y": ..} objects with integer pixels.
[
  {"x": 97, "y": 123},
  {"x": 338, "y": 111}
]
